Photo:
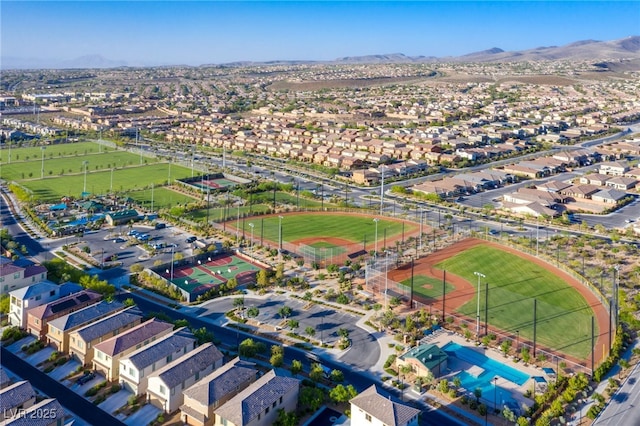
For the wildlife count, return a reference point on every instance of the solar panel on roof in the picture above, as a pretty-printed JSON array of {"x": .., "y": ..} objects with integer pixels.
[
  {"x": 83, "y": 297},
  {"x": 63, "y": 305}
]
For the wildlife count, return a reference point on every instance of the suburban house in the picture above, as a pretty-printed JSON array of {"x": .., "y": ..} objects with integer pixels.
[
  {"x": 108, "y": 353},
  {"x": 39, "y": 317},
  {"x": 25, "y": 298},
  {"x": 609, "y": 196},
  {"x": 534, "y": 209},
  {"x": 136, "y": 368},
  {"x": 369, "y": 408},
  {"x": 60, "y": 328},
  {"x": 19, "y": 396},
  {"x": 613, "y": 169},
  {"x": 202, "y": 398},
  {"x": 19, "y": 273},
  {"x": 55, "y": 415},
  {"x": 622, "y": 183},
  {"x": 258, "y": 404},
  {"x": 83, "y": 340},
  {"x": 165, "y": 385},
  {"x": 424, "y": 359}
]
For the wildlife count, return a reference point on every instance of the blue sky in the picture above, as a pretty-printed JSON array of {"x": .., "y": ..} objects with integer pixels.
[{"x": 200, "y": 32}]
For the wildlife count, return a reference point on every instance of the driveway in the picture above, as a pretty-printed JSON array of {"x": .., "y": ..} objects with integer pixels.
[
  {"x": 115, "y": 401},
  {"x": 59, "y": 373},
  {"x": 15, "y": 346},
  {"x": 40, "y": 356},
  {"x": 80, "y": 390},
  {"x": 143, "y": 416}
]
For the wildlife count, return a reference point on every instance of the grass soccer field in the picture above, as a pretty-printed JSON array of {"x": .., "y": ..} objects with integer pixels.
[
  {"x": 51, "y": 189},
  {"x": 427, "y": 286},
  {"x": 163, "y": 198},
  {"x": 563, "y": 315},
  {"x": 354, "y": 228}
]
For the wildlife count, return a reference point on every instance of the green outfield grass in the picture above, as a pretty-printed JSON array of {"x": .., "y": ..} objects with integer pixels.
[
  {"x": 428, "y": 286},
  {"x": 347, "y": 227},
  {"x": 563, "y": 315},
  {"x": 217, "y": 213}
]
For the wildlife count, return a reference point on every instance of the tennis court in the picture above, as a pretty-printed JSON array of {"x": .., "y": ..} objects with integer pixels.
[
  {"x": 211, "y": 272},
  {"x": 215, "y": 183}
]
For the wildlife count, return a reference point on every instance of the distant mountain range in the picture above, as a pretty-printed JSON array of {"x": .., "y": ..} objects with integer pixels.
[{"x": 626, "y": 48}]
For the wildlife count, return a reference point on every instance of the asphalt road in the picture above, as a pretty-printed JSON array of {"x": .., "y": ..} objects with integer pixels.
[
  {"x": 81, "y": 407},
  {"x": 624, "y": 407}
]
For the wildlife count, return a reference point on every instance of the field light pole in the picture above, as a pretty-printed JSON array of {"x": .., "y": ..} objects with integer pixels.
[
  {"x": 376, "y": 220},
  {"x": 479, "y": 275},
  {"x": 42, "y": 169},
  {"x": 386, "y": 281},
  {"x": 382, "y": 189},
  {"x": 251, "y": 225},
  {"x": 280, "y": 234},
  {"x": 111, "y": 182},
  {"x": 84, "y": 188}
]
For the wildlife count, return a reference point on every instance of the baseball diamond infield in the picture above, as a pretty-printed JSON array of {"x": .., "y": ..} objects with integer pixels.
[{"x": 465, "y": 292}]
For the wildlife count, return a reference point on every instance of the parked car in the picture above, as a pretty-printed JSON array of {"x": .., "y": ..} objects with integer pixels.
[
  {"x": 143, "y": 237},
  {"x": 190, "y": 240},
  {"x": 132, "y": 233},
  {"x": 119, "y": 240},
  {"x": 161, "y": 225},
  {"x": 86, "y": 378}
]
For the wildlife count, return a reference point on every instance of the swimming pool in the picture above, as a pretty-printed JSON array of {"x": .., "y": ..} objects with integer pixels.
[{"x": 484, "y": 381}]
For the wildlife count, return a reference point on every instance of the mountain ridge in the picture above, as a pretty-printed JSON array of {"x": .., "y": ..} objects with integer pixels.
[{"x": 624, "y": 48}]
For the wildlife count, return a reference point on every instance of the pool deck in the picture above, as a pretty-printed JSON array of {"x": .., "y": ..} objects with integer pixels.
[{"x": 442, "y": 337}]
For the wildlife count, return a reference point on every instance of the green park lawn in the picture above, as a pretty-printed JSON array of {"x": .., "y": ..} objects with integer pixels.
[
  {"x": 163, "y": 198},
  {"x": 347, "y": 227},
  {"x": 563, "y": 315}
]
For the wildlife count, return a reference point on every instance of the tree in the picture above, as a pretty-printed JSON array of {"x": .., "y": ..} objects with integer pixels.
[
  {"x": 262, "y": 278},
  {"x": 477, "y": 392},
  {"x": 296, "y": 367},
  {"x": 238, "y": 302},
  {"x": 342, "y": 393},
  {"x": 231, "y": 284},
  {"x": 249, "y": 348},
  {"x": 293, "y": 324},
  {"x": 279, "y": 271},
  {"x": 310, "y": 331},
  {"x": 4, "y": 303},
  {"x": 277, "y": 356},
  {"x": 337, "y": 376},
  {"x": 203, "y": 335},
  {"x": 311, "y": 397},
  {"x": 286, "y": 418},
  {"x": 344, "y": 333},
  {"x": 316, "y": 373},
  {"x": 285, "y": 312}
]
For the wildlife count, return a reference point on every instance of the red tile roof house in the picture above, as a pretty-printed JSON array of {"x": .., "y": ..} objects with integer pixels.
[{"x": 38, "y": 317}]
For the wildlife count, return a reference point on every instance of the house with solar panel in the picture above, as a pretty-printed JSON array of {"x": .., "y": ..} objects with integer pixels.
[
  {"x": 61, "y": 328},
  {"x": 38, "y": 318},
  {"x": 370, "y": 408}
]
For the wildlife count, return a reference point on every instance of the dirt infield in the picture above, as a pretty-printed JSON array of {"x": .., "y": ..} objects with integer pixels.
[
  {"x": 465, "y": 291},
  {"x": 339, "y": 242}
]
